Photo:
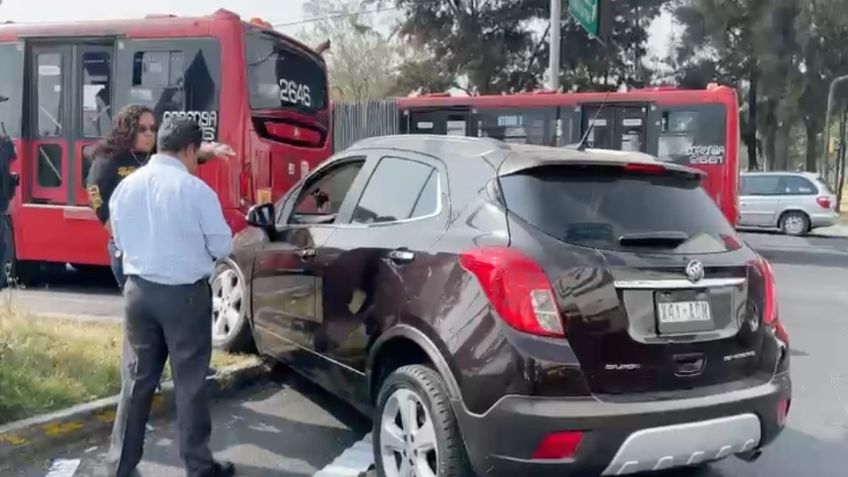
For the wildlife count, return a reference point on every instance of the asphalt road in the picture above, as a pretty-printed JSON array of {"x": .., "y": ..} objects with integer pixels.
[{"x": 290, "y": 428}]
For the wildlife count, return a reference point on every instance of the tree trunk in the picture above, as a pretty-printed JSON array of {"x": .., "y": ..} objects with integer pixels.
[
  {"x": 771, "y": 134},
  {"x": 751, "y": 133},
  {"x": 812, "y": 139},
  {"x": 781, "y": 146}
]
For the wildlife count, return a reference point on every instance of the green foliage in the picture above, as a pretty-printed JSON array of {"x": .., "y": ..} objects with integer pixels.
[
  {"x": 590, "y": 65},
  {"x": 496, "y": 46},
  {"x": 362, "y": 61},
  {"x": 782, "y": 53}
]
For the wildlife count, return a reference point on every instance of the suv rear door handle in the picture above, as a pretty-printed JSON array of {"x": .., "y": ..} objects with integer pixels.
[
  {"x": 401, "y": 256},
  {"x": 306, "y": 253}
]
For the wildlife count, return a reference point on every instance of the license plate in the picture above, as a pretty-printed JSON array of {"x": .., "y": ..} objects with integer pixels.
[{"x": 684, "y": 311}]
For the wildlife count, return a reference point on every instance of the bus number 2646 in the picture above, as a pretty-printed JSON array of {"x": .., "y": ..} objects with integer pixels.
[{"x": 292, "y": 92}]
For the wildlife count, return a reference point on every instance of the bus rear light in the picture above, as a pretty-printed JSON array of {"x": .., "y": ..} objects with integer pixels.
[{"x": 290, "y": 133}]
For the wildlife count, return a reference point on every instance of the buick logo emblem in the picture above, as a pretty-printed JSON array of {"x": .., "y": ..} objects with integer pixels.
[{"x": 695, "y": 271}]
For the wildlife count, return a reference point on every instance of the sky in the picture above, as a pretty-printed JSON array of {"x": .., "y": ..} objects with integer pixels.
[{"x": 273, "y": 11}]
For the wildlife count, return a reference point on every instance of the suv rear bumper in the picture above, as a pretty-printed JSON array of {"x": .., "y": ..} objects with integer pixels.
[{"x": 621, "y": 438}]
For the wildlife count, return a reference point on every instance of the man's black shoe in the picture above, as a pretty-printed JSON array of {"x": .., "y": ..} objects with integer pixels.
[{"x": 221, "y": 469}]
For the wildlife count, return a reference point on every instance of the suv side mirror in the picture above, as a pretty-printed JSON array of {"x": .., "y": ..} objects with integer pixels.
[{"x": 261, "y": 216}]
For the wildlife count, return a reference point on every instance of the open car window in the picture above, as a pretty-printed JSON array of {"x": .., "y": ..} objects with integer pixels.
[{"x": 321, "y": 198}]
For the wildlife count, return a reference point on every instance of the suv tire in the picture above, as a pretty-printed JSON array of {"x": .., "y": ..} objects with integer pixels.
[
  {"x": 442, "y": 447},
  {"x": 234, "y": 335},
  {"x": 795, "y": 223}
]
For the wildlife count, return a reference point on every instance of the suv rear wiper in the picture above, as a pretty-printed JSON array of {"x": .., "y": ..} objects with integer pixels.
[{"x": 647, "y": 239}]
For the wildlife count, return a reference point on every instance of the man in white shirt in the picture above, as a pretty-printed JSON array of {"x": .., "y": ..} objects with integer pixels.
[{"x": 170, "y": 228}]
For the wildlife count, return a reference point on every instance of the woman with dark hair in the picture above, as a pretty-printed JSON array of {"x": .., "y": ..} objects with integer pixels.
[{"x": 127, "y": 147}]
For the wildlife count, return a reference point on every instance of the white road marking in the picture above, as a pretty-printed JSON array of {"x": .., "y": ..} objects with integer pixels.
[
  {"x": 63, "y": 468},
  {"x": 352, "y": 462}
]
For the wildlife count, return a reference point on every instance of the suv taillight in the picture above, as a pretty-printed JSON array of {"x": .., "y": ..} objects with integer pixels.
[
  {"x": 824, "y": 202},
  {"x": 770, "y": 315},
  {"x": 517, "y": 288}
]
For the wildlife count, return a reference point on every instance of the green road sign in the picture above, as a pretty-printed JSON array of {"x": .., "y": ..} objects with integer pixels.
[{"x": 587, "y": 14}]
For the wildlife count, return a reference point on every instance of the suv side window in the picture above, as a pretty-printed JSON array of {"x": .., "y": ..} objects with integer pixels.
[
  {"x": 319, "y": 201},
  {"x": 399, "y": 189},
  {"x": 797, "y": 185}
]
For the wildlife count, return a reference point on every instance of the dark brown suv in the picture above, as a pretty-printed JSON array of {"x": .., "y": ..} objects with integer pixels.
[{"x": 517, "y": 310}]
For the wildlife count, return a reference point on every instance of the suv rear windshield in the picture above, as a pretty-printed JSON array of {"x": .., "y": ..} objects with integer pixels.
[{"x": 607, "y": 208}]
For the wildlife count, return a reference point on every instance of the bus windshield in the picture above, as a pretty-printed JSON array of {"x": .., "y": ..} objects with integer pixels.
[{"x": 282, "y": 77}]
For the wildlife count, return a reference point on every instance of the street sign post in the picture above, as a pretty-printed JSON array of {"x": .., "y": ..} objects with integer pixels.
[{"x": 595, "y": 16}]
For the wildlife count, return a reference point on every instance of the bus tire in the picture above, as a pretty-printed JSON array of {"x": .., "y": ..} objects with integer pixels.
[{"x": 231, "y": 329}]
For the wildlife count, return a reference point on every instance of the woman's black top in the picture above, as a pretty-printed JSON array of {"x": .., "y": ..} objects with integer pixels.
[{"x": 105, "y": 175}]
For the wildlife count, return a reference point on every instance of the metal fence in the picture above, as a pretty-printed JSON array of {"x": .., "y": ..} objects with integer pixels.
[{"x": 353, "y": 121}]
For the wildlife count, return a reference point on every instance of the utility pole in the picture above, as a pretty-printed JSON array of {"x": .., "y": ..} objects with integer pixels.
[
  {"x": 556, "y": 29},
  {"x": 825, "y": 169}
]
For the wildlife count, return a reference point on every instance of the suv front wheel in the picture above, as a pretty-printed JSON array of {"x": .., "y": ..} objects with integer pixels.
[
  {"x": 230, "y": 328},
  {"x": 415, "y": 430}
]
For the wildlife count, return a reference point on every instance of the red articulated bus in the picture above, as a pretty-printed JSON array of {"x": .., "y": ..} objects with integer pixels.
[
  {"x": 247, "y": 85},
  {"x": 698, "y": 128}
]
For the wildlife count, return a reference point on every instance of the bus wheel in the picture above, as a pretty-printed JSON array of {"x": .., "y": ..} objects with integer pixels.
[
  {"x": 795, "y": 223},
  {"x": 231, "y": 330}
]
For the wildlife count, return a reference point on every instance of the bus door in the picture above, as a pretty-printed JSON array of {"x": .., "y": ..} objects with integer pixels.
[
  {"x": 450, "y": 122},
  {"x": 69, "y": 101},
  {"x": 568, "y": 125},
  {"x": 619, "y": 127}
]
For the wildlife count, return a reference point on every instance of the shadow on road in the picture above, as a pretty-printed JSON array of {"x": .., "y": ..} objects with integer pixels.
[
  {"x": 94, "y": 280},
  {"x": 805, "y": 257}
]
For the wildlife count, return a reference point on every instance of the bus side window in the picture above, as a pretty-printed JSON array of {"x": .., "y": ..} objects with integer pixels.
[
  {"x": 97, "y": 86},
  {"x": 174, "y": 77},
  {"x": 157, "y": 80},
  {"x": 529, "y": 126}
]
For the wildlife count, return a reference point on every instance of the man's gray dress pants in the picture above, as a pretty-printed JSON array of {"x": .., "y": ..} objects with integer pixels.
[{"x": 163, "y": 320}]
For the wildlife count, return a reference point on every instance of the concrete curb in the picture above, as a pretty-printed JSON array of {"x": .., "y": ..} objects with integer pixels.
[{"x": 23, "y": 438}]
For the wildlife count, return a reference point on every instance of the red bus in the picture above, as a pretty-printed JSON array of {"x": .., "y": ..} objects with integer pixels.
[
  {"x": 247, "y": 85},
  {"x": 697, "y": 128}
]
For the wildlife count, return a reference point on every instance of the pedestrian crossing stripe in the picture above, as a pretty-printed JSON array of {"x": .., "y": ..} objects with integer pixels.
[{"x": 354, "y": 461}]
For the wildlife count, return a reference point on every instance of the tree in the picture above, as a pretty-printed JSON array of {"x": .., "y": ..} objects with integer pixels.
[
  {"x": 588, "y": 64},
  {"x": 363, "y": 63},
  {"x": 487, "y": 42},
  {"x": 718, "y": 39},
  {"x": 784, "y": 53},
  {"x": 822, "y": 29},
  {"x": 499, "y": 46}
]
